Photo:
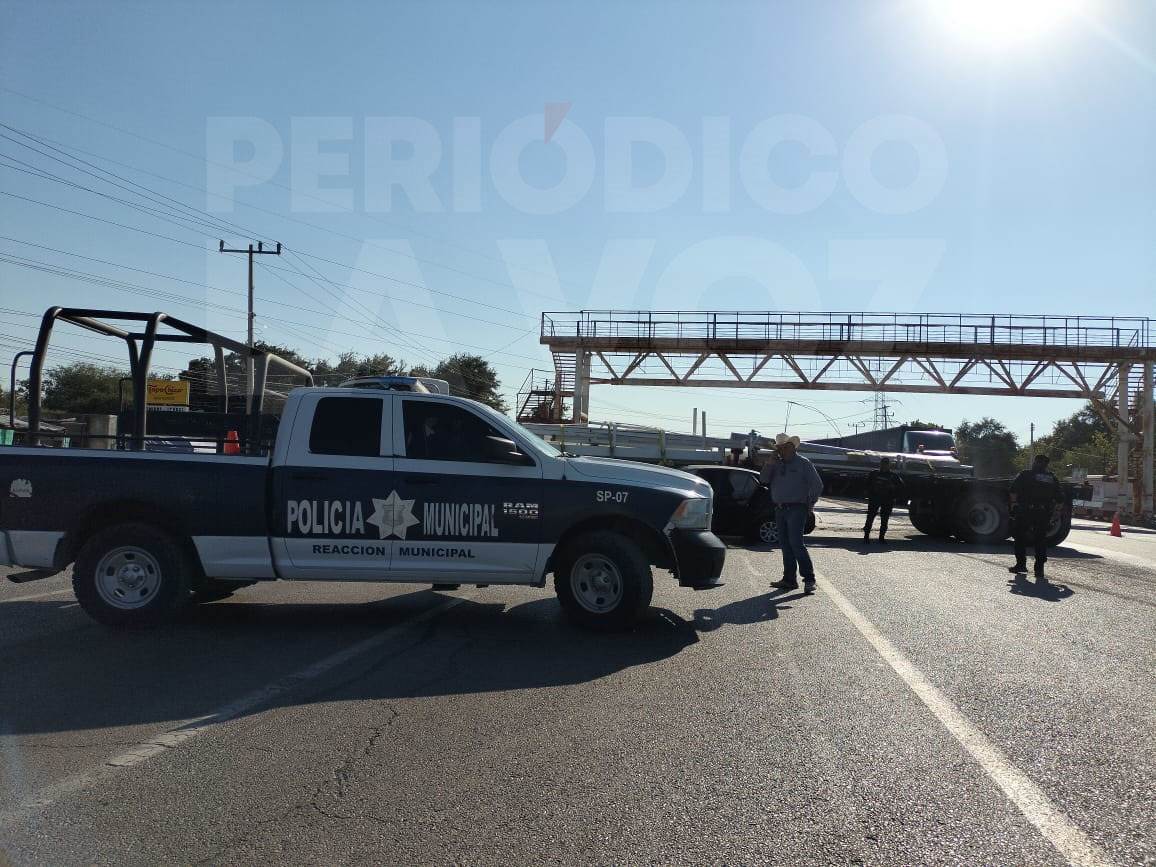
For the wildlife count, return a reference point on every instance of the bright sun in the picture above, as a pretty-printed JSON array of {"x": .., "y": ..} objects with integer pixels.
[{"x": 1002, "y": 23}]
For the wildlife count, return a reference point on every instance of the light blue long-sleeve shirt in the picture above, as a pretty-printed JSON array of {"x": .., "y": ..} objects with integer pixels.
[{"x": 794, "y": 481}]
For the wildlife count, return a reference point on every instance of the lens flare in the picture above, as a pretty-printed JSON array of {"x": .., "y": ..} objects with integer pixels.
[{"x": 1003, "y": 23}]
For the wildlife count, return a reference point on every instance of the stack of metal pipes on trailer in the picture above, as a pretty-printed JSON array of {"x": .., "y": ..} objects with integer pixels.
[
  {"x": 836, "y": 459},
  {"x": 654, "y": 445},
  {"x": 633, "y": 443}
]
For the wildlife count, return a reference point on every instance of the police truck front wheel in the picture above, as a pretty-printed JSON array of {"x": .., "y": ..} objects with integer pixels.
[
  {"x": 603, "y": 581},
  {"x": 132, "y": 575}
]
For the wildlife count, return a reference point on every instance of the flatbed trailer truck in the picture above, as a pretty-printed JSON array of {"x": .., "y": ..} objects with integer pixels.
[{"x": 946, "y": 500}]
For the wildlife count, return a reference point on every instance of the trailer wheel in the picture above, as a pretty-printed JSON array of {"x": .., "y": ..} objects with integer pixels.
[
  {"x": 603, "y": 581},
  {"x": 983, "y": 518},
  {"x": 132, "y": 575},
  {"x": 1060, "y": 527},
  {"x": 928, "y": 523}
]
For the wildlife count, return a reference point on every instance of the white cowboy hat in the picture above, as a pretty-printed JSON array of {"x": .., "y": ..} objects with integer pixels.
[{"x": 783, "y": 439}]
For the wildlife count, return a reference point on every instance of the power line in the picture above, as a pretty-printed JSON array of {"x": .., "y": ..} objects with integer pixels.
[
  {"x": 127, "y": 185},
  {"x": 138, "y": 289},
  {"x": 373, "y": 217},
  {"x": 410, "y": 302},
  {"x": 306, "y": 223},
  {"x": 214, "y": 224},
  {"x": 168, "y": 216},
  {"x": 326, "y": 286},
  {"x": 99, "y": 219}
]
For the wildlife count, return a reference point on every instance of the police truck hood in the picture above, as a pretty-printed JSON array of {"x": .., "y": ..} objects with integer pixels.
[{"x": 612, "y": 470}]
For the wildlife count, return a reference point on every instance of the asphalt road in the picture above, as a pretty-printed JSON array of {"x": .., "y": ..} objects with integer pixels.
[{"x": 924, "y": 707}]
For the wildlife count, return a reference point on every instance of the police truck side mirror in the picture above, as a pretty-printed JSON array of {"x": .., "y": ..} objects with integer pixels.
[{"x": 500, "y": 450}]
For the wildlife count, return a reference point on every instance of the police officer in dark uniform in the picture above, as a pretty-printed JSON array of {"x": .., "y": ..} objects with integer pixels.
[
  {"x": 884, "y": 487},
  {"x": 1035, "y": 496}
]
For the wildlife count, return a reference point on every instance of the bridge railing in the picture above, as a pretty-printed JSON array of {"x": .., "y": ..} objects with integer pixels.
[{"x": 1058, "y": 331}]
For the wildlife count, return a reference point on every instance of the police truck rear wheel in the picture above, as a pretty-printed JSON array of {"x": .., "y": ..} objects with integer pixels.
[
  {"x": 132, "y": 575},
  {"x": 603, "y": 581}
]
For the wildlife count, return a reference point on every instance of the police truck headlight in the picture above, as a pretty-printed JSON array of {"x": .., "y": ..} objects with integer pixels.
[{"x": 692, "y": 514}]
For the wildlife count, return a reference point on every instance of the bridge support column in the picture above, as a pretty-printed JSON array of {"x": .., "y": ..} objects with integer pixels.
[
  {"x": 581, "y": 386},
  {"x": 556, "y": 408},
  {"x": 1148, "y": 503},
  {"x": 1124, "y": 440}
]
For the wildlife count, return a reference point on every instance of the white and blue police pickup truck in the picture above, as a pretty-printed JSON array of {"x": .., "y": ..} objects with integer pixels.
[{"x": 361, "y": 485}]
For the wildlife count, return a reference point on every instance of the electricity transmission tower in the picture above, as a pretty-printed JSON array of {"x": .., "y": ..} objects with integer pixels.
[{"x": 882, "y": 418}]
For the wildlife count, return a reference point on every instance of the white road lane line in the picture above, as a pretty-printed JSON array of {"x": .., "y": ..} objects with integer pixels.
[
  {"x": 34, "y": 596},
  {"x": 1031, "y": 800},
  {"x": 173, "y": 738}
]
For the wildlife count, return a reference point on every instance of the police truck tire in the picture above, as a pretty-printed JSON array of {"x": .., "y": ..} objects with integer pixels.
[
  {"x": 132, "y": 575},
  {"x": 603, "y": 581},
  {"x": 983, "y": 518}
]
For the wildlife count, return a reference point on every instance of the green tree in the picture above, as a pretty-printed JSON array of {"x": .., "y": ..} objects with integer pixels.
[
  {"x": 350, "y": 364},
  {"x": 1080, "y": 440},
  {"x": 5, "y": 397},
  {"x": 203, "y": 376},
  {"x": 988, "y": 446},
  {"x": 469, "y": 376},
  {"x": 82, "y": 387}
]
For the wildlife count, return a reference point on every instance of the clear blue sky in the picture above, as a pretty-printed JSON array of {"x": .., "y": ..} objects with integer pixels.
[{"x": 1043, "y": 201}]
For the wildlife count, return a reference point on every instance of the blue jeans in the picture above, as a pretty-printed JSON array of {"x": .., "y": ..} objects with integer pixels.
[{"x": 791, "y": 520}]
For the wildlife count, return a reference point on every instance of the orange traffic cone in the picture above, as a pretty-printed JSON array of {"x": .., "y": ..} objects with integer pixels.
[
  {"x": 1115, "y": 531},
  {"x": 232, "y": 443}
]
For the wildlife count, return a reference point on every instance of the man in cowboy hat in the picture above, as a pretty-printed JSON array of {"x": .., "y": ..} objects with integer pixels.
[{"x": 795, "y": 487}]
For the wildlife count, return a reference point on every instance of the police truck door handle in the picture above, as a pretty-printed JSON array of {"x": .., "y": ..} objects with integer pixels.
[
  {"x": 309, "y": 477},
  {"x": 420, "y": 480}
]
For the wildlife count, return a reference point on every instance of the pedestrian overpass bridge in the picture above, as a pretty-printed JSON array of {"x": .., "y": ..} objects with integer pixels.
[{"x": 1107, "y": 361}]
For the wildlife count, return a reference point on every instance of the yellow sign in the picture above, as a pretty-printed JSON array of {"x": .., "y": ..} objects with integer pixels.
[{"x": 168, "y": 392}]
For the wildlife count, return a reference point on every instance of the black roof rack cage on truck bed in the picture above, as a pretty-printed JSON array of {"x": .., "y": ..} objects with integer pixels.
[{"x": 140, "y": 352}]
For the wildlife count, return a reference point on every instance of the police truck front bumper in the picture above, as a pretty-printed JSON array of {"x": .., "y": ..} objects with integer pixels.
[{"x": 699, "y": 556}]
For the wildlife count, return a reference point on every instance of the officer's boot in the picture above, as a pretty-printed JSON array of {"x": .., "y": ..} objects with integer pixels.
[
  {"x": 1021, "y": 567},
  {"x": 1039, "y": 572}
]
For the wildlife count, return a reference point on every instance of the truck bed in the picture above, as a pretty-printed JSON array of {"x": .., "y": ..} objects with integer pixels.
[{"x": 217, "y": 500}]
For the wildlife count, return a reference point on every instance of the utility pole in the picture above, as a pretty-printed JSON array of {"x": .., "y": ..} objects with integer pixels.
[
  {"x": 1031, "y": 443},
  {"x": 252, "y": 251}
]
